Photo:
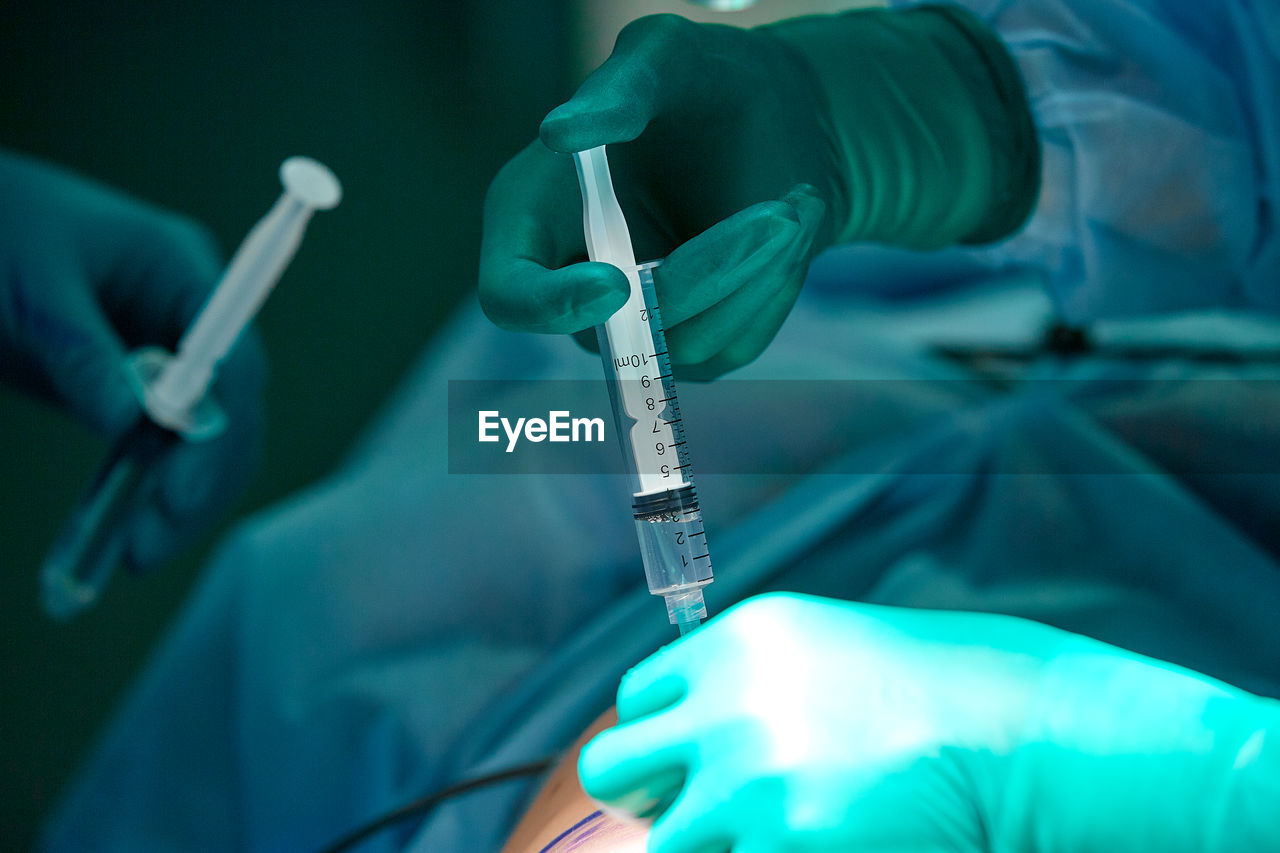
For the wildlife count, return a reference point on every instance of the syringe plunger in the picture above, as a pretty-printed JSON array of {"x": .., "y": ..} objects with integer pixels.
[{"x": 249, "y": 278}]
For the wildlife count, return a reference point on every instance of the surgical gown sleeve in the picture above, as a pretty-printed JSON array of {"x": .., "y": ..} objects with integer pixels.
[{"x": 1160, "y": 131}]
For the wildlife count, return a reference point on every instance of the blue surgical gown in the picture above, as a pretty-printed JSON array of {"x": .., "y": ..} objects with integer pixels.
[{"x": 396, "y": 628}]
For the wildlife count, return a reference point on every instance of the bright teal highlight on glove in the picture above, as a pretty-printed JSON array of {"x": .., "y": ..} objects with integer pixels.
[
  {"x": 89, "y": 275},
  {"x": 800, "y": 723},
  {"x": 739, "y": 155}
]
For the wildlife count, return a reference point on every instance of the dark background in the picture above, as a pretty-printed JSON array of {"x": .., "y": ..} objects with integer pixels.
[{"x": 193, "y": 106}]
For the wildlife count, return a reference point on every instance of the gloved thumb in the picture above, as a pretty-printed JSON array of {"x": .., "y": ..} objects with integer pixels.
[{"x": 620, "y": 98}]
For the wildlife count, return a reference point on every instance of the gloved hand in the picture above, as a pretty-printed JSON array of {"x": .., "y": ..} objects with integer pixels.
[
  {"x": 738, "y": 155},
  {"x": 796, "y": 723},
  {"x": 90, "y": 274}
]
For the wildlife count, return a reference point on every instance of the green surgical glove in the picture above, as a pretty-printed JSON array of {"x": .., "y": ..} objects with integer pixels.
[
  {"x": 738, "y": 155},
  {"x": 89, "y": 274},
  {"x": 794, "y": 723}
]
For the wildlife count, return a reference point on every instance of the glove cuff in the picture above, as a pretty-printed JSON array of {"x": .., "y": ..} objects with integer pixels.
[{"x": 929, "y": 123}]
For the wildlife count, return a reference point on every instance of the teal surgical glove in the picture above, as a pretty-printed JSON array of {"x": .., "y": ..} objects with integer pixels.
[
  {"x": 89, "y": 274},
  {"x": 738, "y": 155},
  {"x": 794, "y": 723}
]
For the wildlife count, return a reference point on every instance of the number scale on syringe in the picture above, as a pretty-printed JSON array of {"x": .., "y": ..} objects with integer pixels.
[
  {"x": 664, "y": 499},
  {"x": 642, "y": 368}
]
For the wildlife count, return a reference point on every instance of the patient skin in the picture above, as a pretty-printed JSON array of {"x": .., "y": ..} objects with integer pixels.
[{"x": 563, "y": 818}]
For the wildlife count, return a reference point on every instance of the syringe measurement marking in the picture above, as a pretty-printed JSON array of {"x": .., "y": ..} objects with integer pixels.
[
  {"x": 665, "y": 432},
  {"x": 636, "y": 403}
]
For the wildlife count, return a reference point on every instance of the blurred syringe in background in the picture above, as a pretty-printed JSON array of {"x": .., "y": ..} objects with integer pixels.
[{"x": 174, "y": 394}]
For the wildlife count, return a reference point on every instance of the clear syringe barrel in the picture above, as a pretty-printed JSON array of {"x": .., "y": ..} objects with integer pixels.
[
  {"x": 256, "y": 267},
  {"x": 673, "y": 544},
  {"x": 637, "y": 368},
  {"x": 673, "y": 547}
]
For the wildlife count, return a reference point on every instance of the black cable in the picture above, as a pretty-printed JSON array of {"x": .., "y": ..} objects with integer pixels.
[
  {"x": 422, "y": 805},
  {"x": 1062, "y": 341}
]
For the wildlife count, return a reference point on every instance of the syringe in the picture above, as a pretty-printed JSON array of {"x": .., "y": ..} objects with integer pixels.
[
  {"x": 173, "y": 391},
  {"x": 673, "y": 544}
]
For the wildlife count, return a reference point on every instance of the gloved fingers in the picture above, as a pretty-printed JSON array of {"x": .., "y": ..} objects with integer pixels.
[
  {"x": 529, "y": 280},
  {"x": 94, "y": 273},
  {"x": 139, "y": 280},
  {"x": 646, "y": 691},
  {"x": 534, "y": 298},
  {"x": 195, "y": 482},
  {"x": 759, "y": 845},
  {"x": 152, "y": 538},
  {"x": 738, "y": 328},
  {"x": 620, "y": 98},
  {"x": 163, "y": 270},
  {"x": 638, "y": 766},
  {"x": 657, "y": 682},
  {"x": 738, "y": 252},
  {"x": 710, "y": 333},
  {"x": 750, "y": 340},
  {"x": 66, "y": 350},
  {"x": 690, "y": 825}
]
